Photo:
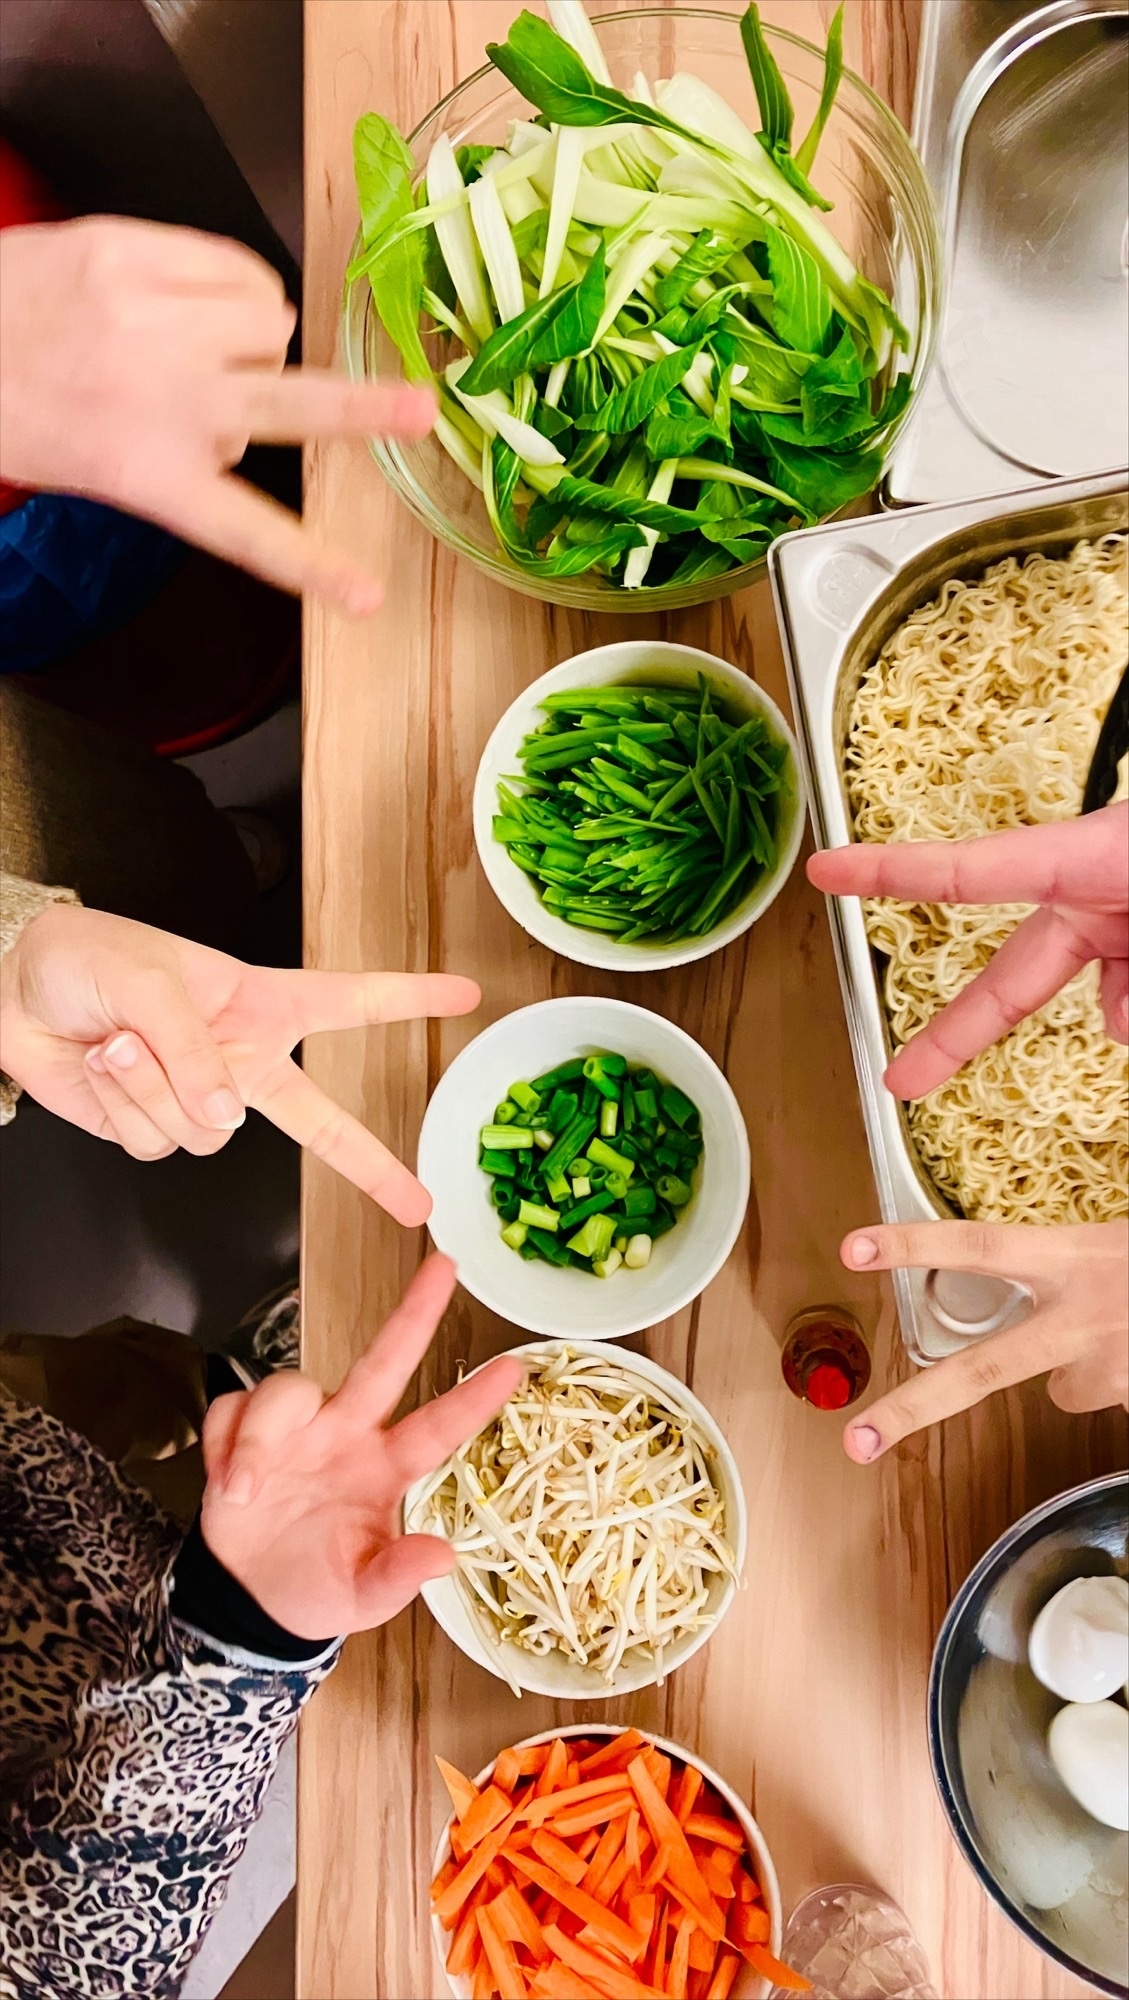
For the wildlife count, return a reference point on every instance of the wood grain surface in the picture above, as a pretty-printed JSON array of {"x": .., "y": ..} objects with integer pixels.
[{"x": 811, "y": 1697}]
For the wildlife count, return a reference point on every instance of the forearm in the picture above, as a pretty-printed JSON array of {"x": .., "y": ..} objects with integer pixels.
[{"x": 135, "y": 1745}]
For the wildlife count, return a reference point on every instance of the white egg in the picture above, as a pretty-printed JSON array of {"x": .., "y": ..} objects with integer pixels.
[
  {"x": 1079, "y": 1644},
  {"x": 1089, "y": 1746}
]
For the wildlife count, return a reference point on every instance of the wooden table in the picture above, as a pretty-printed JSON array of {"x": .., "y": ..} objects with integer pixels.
[{"x": 811, "y": 1697}]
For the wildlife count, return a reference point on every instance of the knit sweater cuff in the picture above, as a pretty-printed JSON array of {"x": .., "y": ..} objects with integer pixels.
[{"x": 19, "y": 902}]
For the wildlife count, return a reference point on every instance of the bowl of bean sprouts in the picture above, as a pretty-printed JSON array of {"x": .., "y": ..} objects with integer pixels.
[{"x": 599, "y": 1526}]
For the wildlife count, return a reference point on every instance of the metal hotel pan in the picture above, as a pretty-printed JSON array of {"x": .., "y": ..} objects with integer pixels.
[{"x": 840, "y": 592}]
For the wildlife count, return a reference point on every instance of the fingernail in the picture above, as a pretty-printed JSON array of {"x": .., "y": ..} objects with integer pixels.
[
  {"x": 224, "y": 1110},
  {"x": 866, "y": 1442},
  {"x": 862, "y": 1250},
  {"x": 93, "y": 1060},
  {"x": 239, "y": 1488},
  {"x": 122, "y": 1052}
]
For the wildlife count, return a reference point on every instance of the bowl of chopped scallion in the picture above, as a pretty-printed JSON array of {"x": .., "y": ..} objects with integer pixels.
[
  {"x": 589, "y": 1167},
  {"x": 675, "y": 278},
  {"x": 639, "y": 806}
]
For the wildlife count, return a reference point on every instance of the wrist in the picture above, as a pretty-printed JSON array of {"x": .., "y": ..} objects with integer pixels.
[{"x": 207, "y": 1597}]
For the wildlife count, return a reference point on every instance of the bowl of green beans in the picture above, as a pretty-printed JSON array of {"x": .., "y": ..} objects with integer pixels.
[
  {"x": 639, "y": 806},
  {"x": 589, "y": 1168}
]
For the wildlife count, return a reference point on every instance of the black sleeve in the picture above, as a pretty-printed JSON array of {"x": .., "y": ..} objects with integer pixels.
[{"x": 207, "y": 1596}]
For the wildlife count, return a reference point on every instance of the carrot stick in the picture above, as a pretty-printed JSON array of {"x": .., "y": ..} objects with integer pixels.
[
  {"x": 659, "y": 1768},
  {"x": 641, "y": 1911},
  {"x": 555, "y": 1853},
  {"x": 718, "y": 1881},
  {"x": 553, "y": 1769},
  {"x": 750, "y": 1924},
  {"x": 703, "y": 1952},
  {"x": 682, "y": 1868},
  {"x": 748, "y": 1891},
  {"x": 605, "y": 1854},
  {"x": 483, "y": 1987},
  {"x": 721, "y": 1832},
  {"x": 556, "y": 1982},
  {"x": 615, "y": 1982},
  {"x": 614, "y": 1879},
  {"x": 660, "y": 1866},
  {"x": 488, "y": 1811},
  {"x": 679, "y": 1959},
  {"x": 515, "y": 1922},
  {"x": 543, "y": 1806},
  {"x": 450, "y": 1901},
  {"x": 686, "y": 1791},
  {"x": 464, "y": 1946},
  {"x": 462, "y": 1792},
  {"x": 513, "y": 1765},
  {"x": 632, "y": 1885},
  {"x": 588, "y": 1843},
  {"x": 656, "y": 1963},
  {"x": 579, "y": 1819},
  {"x": 572, "y": 1773},
  {"x": 507, "y": 1973},
  {"x": 618, "y": 1934},
  {"x": 769, "y": 1967},
  {"x": 607, "y": 1758},
  {"x": 631, "y": 1839},
  {"x": 725, "y": 1972},
  {"x": 446, "y": 1874}
]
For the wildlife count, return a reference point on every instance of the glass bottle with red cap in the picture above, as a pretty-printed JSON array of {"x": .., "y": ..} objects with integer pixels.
[{"x": 825, "y": 1359}]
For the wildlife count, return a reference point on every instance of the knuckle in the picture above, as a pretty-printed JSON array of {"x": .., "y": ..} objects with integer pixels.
[
  {"x": 978, "y": 1241},
  {"x": 985, "y": 1373}
]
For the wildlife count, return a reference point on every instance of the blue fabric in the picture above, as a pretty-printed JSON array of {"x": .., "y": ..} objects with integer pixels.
[{"x": 70, "y": 571}]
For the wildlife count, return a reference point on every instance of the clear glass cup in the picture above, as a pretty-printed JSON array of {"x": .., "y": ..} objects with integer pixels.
[
  {"x": 854, "y": 1943},
  {"x": 884, "y": 215}
]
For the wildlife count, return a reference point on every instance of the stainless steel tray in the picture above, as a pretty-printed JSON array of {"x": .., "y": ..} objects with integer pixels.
[
  {"x": 1021, "y": 117},
  {"x": 840, "y": 591}
]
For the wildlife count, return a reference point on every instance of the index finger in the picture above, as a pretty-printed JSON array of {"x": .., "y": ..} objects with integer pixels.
[
  {"x": 425, "y": 1439},
  {"x": 1082, "y": 861},
  {"x": 322, "y": 1001},
  {"x": 957, "y": 1383},
  {"x": 1030, "y": 967},
  {"x": 295, "y": 1104},
  {"x": 375, "y": 1383},
  {"x": 314, "y": 402}
]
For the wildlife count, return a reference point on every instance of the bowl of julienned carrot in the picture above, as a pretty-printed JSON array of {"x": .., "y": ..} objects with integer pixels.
[{"x": 590, "y": 1863}]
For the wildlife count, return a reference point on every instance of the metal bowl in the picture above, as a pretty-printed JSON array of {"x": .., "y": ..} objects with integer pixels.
[{"x": 1037, "y": 1854}]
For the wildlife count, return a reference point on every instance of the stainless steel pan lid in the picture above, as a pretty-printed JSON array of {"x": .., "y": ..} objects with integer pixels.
[
  {"x": 1022, "y": 121},
  {"x": 840, "y": 591}
]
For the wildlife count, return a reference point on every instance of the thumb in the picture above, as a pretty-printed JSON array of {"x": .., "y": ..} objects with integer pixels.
[
  {"x": 398, "y": 1574},
  {"x": 158, "y": 1009}
]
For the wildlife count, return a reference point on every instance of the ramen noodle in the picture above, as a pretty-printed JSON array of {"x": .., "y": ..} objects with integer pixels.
[{"x": 982, "y": 711}]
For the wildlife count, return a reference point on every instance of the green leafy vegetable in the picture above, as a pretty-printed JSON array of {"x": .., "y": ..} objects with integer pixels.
[
  {"x": 382, "y": 165},
  {"x": 656, "y": 357}
]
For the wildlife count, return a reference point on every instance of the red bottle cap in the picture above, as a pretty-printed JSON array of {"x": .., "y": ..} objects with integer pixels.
[{"x": 828, "y": 1387}]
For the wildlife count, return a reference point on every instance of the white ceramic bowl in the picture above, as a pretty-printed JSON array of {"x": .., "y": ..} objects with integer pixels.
[
  {"x": 651, "y": 661},
  {"x": 747, "y": 1985},
  {"x": 554, "y": 1675},
  {"x": 540, "y": 1297}
]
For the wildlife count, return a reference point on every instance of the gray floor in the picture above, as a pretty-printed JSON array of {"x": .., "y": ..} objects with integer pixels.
[{"x": 90, "y": 1234}]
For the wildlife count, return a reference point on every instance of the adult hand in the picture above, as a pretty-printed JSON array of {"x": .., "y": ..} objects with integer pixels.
[
  {"x": 137, "y": 364},
  {"x": 303, "y": 1498},
  {"x": 1076, "y": 870},
  {"x": 144, "y": 1038},
  {"x": 1078, "y": 1328}
]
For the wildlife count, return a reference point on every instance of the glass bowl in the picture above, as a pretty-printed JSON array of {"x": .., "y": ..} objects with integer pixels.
[{"x": 883, "y": 215}]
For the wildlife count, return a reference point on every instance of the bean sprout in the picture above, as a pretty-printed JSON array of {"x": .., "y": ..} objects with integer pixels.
[{"x": 586, "y": 1518}]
